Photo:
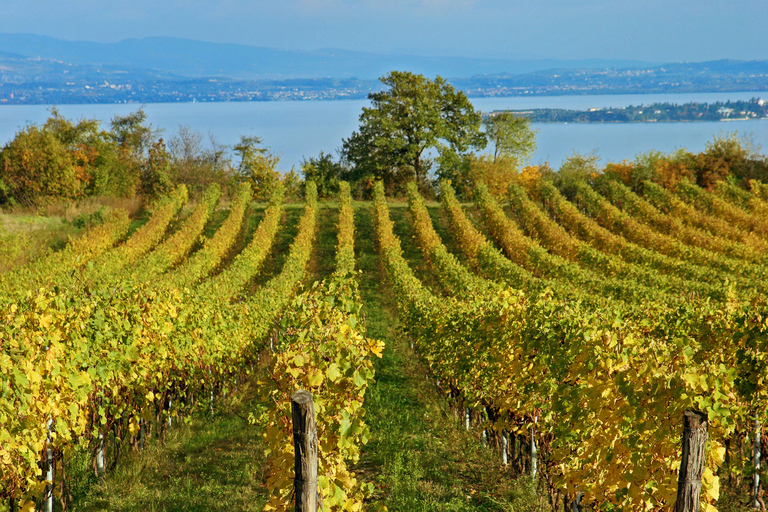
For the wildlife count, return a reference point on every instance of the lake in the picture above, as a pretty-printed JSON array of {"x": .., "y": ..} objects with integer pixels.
[{"x": 300, "y": 129}]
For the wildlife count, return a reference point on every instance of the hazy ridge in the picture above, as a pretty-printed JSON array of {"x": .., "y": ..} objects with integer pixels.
[{"x": 44, "y": 70}]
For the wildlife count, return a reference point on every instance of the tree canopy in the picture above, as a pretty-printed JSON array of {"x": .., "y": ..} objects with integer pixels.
[
  {"x": 407, "y": 120},
  {"x": 511, "y": 136},
  {"x": 257, "y": 165}
]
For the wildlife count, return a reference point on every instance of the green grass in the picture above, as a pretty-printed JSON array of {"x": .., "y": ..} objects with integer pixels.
[
  {"x": 323, "y": 261},
  {"x": 213, "y": 464},
  {"x": 25, "y": 237}
]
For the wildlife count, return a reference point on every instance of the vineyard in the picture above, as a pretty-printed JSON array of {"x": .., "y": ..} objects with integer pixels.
[{"x": 571, "y": 328}]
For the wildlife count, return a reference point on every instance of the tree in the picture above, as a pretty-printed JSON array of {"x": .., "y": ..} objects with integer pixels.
[
  {"x": 155, "y": 175},
  {"x": 726, "y": 155},
  {"x": 37, "y": 167},
  {"x": 196, "y": 164},
  {"x": 58, "y": 160},
  {"x": 511, "y": 136},
  {"x": 404, "y": 122},
  {"x": 133, "y": 139},
  {"x": 324, "y": 172},
  {"x": 575, "y": 169},
  {"x": 132, "y": 134},
  {"x": 257, "y": 165}
]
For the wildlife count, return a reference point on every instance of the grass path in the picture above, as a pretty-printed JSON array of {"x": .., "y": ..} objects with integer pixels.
[
  {"x": 213, "y": 464},
  {"x": 419, "y": 457}
]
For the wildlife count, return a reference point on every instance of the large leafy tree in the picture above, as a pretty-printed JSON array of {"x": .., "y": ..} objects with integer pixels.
[{"x": 407, "y": 120}]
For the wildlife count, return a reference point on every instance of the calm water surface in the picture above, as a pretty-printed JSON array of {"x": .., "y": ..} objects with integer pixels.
[{"x": 300, "y": 129}]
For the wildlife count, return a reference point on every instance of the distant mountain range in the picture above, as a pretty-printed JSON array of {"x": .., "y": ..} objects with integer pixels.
[
  {"x": 38, "y": 69},
  {"x": 201, "y": 59}
]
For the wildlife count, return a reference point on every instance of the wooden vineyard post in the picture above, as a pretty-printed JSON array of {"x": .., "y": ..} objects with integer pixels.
[
  {"x": 49, "y": 474},
  {"x": 695, "y": 436},
  {"x": 756, "y": 464},
  {"x": 305, "y": 445}
]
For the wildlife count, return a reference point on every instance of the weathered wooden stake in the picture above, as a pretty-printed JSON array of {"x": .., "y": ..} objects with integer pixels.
[
  {"x": 100, "y": 447},
  {"x": 576, "y": 503},
  {"x": 504, "y": 459},
  {"x": 534, "y": 454},
  {"x": 756, "y": 463},
  {"x": 100, "y": 456},
  {"x": 695, "y": 436},
  {"x": 48, "y": 500},
  {"x": 305, "y": 445}
]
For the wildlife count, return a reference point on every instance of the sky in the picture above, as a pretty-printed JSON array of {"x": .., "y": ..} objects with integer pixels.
[{"x": 646, "y": 30}]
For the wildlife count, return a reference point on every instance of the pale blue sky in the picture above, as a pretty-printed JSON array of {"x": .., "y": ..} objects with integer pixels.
[{"x": 651, "y": 30}]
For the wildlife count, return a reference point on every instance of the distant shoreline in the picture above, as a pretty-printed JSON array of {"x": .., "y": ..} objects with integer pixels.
[
  {"x": 363, "y": 96},
  {"x": 692, "y": 112}
]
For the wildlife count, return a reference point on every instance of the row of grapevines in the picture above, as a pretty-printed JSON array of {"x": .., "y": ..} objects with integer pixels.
[
  {"x": 619, "y": 222},
  {"x": 734, "y": 194},
  {"x": 723, "y": 337},
  {"x": 323, "y": 349},
  {"x": 454, "y": 276},
  {"x": 481, "y": 253},
  {"x": 622, "y": 197},
  {"x": 704, "y": 201},
  {"x": 521, "y": 249},
  {"x": 532, "y": 256},
  {"x": 215, "y": 248},
  {"x": 77, "y": 253},
  {"x": 667, "y": 202},
  {"x": 265, "y": 304},
  {"x": 345, "y": 247},
  {"x": 588, "y": 230},
  {"x": 142, "y": 241},
  {"x": 175, "y": 248},
  {"x": 107, "y": 360},
  {"x": 66, "y": 355},
  {"x": 606, "y": 395},
  {"x": 450, "y": 271},
  {"x": 247, "y": 263},
  {"x": 641, "y": 282}
]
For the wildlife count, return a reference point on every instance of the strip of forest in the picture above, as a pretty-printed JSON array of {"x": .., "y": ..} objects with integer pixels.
[{"x": 755, "y": 108}]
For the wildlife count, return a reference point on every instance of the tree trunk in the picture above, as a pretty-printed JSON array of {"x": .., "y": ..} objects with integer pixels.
[{"x": 695, "y": 436}]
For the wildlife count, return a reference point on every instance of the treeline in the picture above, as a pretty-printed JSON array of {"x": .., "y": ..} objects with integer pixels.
[
  {"x": 425, "y": 130},
  {"x": 67, "y": 160},
  {"x": 417, "y": 129},
  {"x": 656, "y": 112}
]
